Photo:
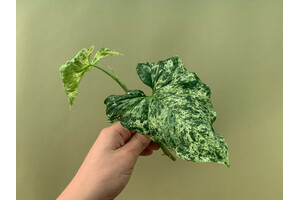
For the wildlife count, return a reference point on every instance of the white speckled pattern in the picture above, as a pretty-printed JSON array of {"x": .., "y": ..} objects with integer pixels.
[{"x": 179, "y": 112}]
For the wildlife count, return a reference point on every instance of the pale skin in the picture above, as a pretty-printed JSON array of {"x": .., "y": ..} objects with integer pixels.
[{"x": 108, "y": 166}]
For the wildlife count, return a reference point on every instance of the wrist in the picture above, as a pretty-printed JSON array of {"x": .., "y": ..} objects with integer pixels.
[{"x": 85, "y": 185}]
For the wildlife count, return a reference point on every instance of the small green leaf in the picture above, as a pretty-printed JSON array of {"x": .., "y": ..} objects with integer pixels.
[
  {"x": 179, "y": 113},
  {"x": 103, "y": 53},
  {"x": 72, "y": 71}
]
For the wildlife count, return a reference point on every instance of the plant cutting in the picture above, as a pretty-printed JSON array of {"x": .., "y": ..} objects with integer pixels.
[{"x": 178, "y": 115}]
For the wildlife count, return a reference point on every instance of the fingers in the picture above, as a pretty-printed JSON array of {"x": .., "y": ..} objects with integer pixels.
[
  {"x": 146, "y": 152},
  {"x": 119, "y": 129},
  {"x": 150, "y": 148},
  {"x": 113, "y": 137},
  {"x": 131, "y": 141},
  {"x": 137, "y": 144},
  {"x": 153, "y": 146}
]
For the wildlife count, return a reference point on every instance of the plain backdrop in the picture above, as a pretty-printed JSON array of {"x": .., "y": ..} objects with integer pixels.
[{"x": 233, "y": 46}]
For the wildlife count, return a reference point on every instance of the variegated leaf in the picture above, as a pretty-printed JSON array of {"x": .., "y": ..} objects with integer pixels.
[
  {"x": 179, "y": 112},
  {"x": 73, "y": 70}
]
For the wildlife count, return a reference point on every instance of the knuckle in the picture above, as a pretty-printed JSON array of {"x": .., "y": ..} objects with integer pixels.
[
  {"x": 142, "y": 140},
  {"x": 104, "y": 131}
]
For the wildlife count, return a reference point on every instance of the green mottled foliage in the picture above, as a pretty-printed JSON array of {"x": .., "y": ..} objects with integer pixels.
[
  {"x": 178, "y": 115},
  {"x": 179, "y": 112},
  {"x": 73, "y": 70}
]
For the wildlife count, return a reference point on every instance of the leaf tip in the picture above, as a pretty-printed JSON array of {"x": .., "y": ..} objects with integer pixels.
[
  {"x": 227, "y": 164},
  {"x": 91, "y": 48}
]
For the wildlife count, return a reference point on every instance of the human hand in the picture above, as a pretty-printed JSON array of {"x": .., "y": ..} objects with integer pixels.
[{"x": 109, "y": 164}]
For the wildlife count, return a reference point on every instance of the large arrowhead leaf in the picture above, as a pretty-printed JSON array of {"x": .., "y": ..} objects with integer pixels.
[
  {"x": 73, "y": 70},
  {"x": 179, "y": 113}
]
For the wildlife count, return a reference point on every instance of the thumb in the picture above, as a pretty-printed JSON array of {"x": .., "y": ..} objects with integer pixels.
[{"x": 138, "y": 143}]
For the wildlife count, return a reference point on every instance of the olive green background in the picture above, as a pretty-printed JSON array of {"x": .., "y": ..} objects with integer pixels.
[{"x": 235, "y": 46}]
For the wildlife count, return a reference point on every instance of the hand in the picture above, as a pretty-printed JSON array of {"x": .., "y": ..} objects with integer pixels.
[{"x": 109, "y": 164}]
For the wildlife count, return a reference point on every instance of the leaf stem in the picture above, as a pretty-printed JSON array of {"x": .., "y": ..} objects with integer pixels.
[
  {"x": 113, "y": 76},
  {"x": 166, "y": 151}
]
